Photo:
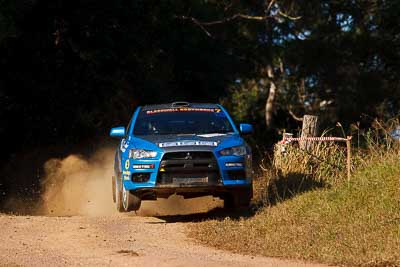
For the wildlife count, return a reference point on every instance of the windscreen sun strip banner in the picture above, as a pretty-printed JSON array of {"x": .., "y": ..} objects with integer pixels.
[{"x": 171, "y": 110}]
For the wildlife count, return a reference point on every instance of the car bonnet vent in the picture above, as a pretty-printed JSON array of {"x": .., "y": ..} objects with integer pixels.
[{"x": 180, "y": 104}]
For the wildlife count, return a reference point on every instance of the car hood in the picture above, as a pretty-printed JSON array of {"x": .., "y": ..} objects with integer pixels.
[{"x": 181, "y": 142}]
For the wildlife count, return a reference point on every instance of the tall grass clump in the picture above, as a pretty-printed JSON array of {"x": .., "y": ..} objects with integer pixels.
[
  {"x": 294, "y": 170},
  {"x": 333, "y": 220}
]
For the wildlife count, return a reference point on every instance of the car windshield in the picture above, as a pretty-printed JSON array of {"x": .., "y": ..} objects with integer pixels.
[{"x": 182, "y": 121}]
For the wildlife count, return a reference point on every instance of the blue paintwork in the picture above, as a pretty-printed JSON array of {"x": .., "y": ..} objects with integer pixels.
[
  {"x": 117, "y": 132},
  {"x": 129, "y": 141},
  {"x": 246, "y": 128},
  {"x": 229, "y": 118},
  {"x": 134, "y": 118}
]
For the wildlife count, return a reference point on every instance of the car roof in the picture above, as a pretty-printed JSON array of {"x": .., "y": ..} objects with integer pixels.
[{"x": 179, "y": 104}]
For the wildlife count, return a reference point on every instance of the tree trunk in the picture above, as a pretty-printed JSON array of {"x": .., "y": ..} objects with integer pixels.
[
  {"x": 270, "y": 105},
  {"x": 310, "y": 129}
]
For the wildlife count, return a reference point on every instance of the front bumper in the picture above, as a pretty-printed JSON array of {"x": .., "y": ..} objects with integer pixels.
[{"x": 223, "y": 172}]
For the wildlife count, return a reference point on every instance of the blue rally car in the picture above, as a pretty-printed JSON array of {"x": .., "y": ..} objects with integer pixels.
[{"x": 181, "y": 148}]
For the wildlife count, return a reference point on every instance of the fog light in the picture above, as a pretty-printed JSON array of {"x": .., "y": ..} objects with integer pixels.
[
  {"x": 234, "y": 164},
  {"x": 141, "y": 177},
  {"x": 143, "y": 166}
]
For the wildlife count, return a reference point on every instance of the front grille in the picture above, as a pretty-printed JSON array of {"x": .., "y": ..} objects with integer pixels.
[
  {"x": 188, "y": 168},
  {"x": 189, "y": 155},
  {"x": 140, "y": 177}
]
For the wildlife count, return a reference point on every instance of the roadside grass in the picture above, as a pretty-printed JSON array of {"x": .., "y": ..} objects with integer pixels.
[
  {"x": 294, "y": 171},
  {"x": 317, "y": 215}
]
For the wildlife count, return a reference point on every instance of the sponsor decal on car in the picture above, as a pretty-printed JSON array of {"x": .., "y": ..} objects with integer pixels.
[
  {"x": 126, "y": 173},
  {"x": 127, "y": 164},
  {"x": 166, "y": 110},
  {"x": 188, "y": 143}
]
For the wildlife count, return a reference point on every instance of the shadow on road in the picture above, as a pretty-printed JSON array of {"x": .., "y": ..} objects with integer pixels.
[
  {"x": 214, "y": 214},
  {"x": 278, "y": 188}
]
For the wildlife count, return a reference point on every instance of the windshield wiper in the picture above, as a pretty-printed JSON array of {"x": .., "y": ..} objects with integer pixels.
[
  {"x": 222, "y": 132},
  {"x": 186, "y": 134}
]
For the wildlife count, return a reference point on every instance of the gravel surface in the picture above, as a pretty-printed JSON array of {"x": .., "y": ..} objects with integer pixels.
[{"x": 117, "y": 240}]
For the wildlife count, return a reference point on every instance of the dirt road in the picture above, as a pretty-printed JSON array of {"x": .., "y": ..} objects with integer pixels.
[
  {"x": 117, "y": 240},
  {"x": 88, "y": 231}
]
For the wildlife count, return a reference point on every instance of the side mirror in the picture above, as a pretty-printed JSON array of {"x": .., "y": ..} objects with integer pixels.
[
  {"x": 246, "y": 128},
  {"x": 117, "y": 132}
]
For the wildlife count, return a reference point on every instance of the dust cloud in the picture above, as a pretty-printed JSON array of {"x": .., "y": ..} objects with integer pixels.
[{"x": 79, "y": 186}]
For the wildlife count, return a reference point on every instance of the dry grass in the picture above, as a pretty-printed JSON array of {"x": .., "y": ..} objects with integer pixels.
[
  {"x": 325, "y": 162},
  {"x": 294, "y": 171},
  {"x": 352, "y": 224}
]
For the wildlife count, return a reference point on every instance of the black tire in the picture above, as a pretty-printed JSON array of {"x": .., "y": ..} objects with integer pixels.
[
  {"x": 230, "y": 201},
  {"x": 118, "y": 194},
  {"x": 130, "y": 201},
  {"x": 238, "y": 199},
  {"x": 113, "y": 189}
]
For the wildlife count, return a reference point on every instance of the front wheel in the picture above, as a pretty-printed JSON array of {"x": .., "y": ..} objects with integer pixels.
[
  {"x": 118, "y": 193},
  {"x": 130, "y": 201},
  {"x": 231, "y": 202},
  {"x": 238, "y": 199}
]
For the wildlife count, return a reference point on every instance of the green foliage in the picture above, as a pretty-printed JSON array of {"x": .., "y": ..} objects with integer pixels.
[
  {"x": 71, "y": 69},
  {"x": 337, "y": 59},
  {"x": 246, "y": 100},
  {"x": 7, "y": 20}
]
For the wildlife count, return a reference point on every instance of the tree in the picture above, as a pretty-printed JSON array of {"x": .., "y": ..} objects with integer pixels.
[{"x": 336, "y": 59}]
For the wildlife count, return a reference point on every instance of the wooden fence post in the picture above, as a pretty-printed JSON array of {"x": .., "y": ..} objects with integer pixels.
[
  {"x": 348, "y": 144},
  {"x": 310, "y": 129}
]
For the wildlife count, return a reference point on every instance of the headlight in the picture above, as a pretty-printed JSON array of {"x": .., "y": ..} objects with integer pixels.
[
  {"x": 234, "y": 151},
  {"x": 141, "y": 154}
]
